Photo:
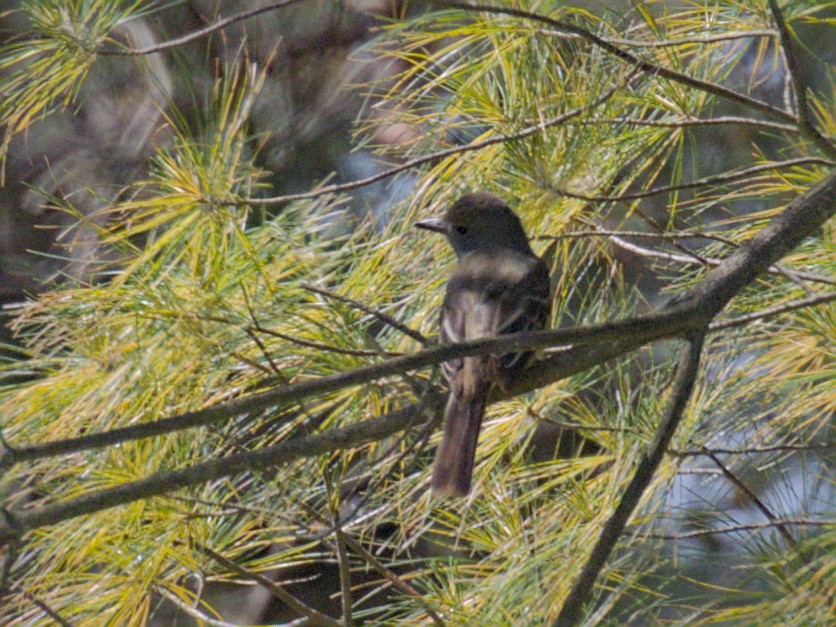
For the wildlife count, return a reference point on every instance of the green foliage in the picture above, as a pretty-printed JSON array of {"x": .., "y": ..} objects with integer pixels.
[
  {"x": 45, "y": 71},
  {"x": 208, "y": 304}
]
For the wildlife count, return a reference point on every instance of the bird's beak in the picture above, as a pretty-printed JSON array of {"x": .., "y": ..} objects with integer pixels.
[{"x": 439, "y": 225}]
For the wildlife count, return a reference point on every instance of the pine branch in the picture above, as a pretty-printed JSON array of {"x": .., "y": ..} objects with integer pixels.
[
  {"x": 805, "y": 120},
  {"x": 195, "y": 35},
  {"x": 692, "y": 311},
  {"x": 573, "y": 608},
  {"x": 642, "y": 65},
  {"x": 700, "y": 533}
]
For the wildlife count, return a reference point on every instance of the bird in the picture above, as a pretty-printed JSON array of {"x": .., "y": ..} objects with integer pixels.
[{"x": 498, "y": 287}]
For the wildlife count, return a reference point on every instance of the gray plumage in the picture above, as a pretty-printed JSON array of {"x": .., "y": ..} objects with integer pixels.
[{"x": 499, "y": 286}]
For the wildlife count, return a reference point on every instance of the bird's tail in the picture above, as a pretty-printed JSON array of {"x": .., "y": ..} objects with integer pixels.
[{"x": 454, "y": 458}]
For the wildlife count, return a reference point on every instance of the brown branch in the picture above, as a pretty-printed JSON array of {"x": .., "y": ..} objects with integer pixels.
[
  {"x": 15, "y": 525},
  {"x": 805, "y": 120},
  {"x": 573, "y": 607},
  {"x": 801, "y": 522},
  {"x": 651, "y": 327},
  {"x": 188, "y": 609},
  {"x": 727, "y": 177},
  {"x": 644, "y": 66},
  {"x": 730, "y": 120},
  {"x": 753, "y": 450},
  {"x": 383, "y": 317},
  {"x": 693, "y": 310},
  {"x": 46, "y": 609},
  {"x": 771, "y": 312},
  {"x": 316, "y": 617},
  {"x": 208, "y": 30},
  {"x": 434, "y": 156},
  {"x": 712, "y": 261}
]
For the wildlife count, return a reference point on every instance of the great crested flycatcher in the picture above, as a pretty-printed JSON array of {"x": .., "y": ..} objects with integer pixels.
[{"x": 499, "y": 286}]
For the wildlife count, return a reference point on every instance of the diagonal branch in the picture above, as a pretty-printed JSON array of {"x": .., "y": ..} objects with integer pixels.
[
  {"x": 641, "y": 64},
  {"x": 799, "y": 220},
  {"x": 747, "y": 491},
  {"x": 573, "y": 607},
  {"x": 195, "y": 35},
  {"x": 805, "y": 121},
  {"x": 651, "y": 327},
  {"x": 315, "y": 616},
  {"x": 692, "y": 311},
  {"x": 566, "y": 364},
  {"x": 438, "y": 155},
  {"x": 719, "y": 179},
  {"x": 699, "y": 533}
]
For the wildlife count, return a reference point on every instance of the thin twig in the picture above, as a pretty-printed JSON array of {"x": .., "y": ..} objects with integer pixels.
[
  {"x": 383, "y": 317},
  {"x": 805, "y": 121},
  {"x": 800, "y": 522},
  {"x": 42, "y": 605},
  {"x": 313, "y": 615},
  {"x": 752, "y": 450},
  {"x": 573, "y": 608},
  {"x": 434, "y": 156},
  {"x": 573, "y": 426},
  {"x": 646, "y": 252},
  {"x": 391, "y": 577},
  {"x": 740, "y": 485},
  {"x": 726, "y": 177},
  {"x": 664, "y": 236},
  {"x": 667, "y": 43},
  {"x": 734, "y": 120},
  {"x": 644, "y": 66},
  {"x": 208, "y": 30},
  {"x": 329, "y": 348},
  {"x": 188, "y": 609},
  {"x": 370, "y": 559},
  {"x": 343, "y": 563},
  {"x": 771, "y": 312}
]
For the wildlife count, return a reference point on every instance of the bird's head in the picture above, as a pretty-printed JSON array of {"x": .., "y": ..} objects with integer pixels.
[{"x": 479, "y": 221}]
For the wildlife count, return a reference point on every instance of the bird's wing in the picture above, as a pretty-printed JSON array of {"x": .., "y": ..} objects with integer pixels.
[{"x": 494, "y": 293}]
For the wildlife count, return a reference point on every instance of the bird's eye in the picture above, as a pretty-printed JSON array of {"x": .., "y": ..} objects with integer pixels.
[{"x": 461, "y": 230}]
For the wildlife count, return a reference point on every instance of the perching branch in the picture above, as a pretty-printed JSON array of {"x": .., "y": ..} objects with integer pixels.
[
  {"x": 647, "y": 328},
  {"x": 692, "y": 311},
  {"x": 573, "y": 607}
]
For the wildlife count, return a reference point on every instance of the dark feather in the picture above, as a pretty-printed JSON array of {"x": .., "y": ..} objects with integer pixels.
[{"x": 491, "y": 292}]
